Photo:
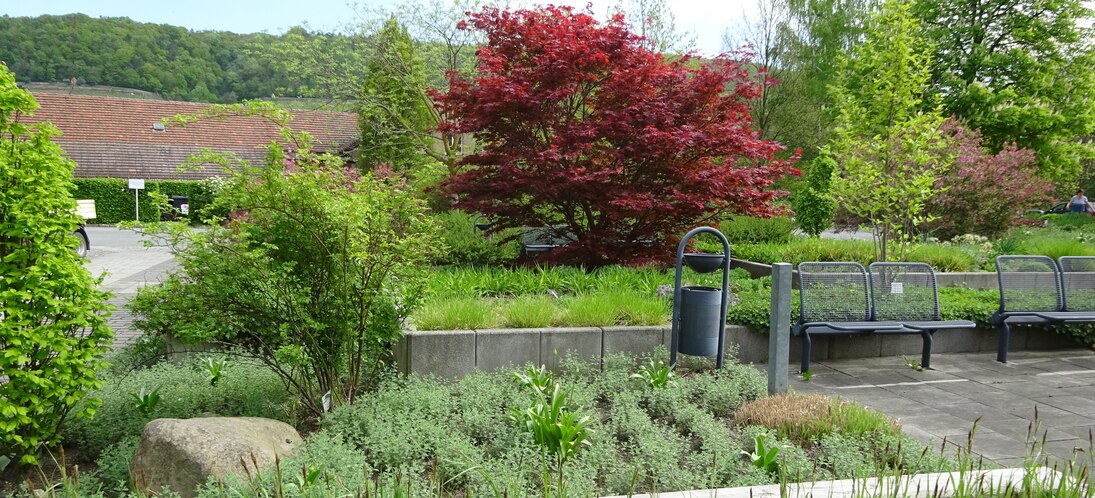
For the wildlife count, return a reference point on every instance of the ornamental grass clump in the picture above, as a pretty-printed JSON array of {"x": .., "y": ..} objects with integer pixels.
[
  {"x": 459, "y": 313},
  {"x": 805, "y": 419},
  {"x": 529, "y": 312}
]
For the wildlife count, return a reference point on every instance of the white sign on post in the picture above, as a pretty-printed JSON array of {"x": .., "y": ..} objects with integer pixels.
[{"x": 137, "y": 184}]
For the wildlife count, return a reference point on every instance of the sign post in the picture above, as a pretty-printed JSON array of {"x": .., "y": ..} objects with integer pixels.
[{"x": 137, "y": 184}]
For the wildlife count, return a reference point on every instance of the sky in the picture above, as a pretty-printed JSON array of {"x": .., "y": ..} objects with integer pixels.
[{"x": 706, "y": 19}]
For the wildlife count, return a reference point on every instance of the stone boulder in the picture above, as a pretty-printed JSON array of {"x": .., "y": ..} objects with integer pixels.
[{"x": 182, "y": 454}]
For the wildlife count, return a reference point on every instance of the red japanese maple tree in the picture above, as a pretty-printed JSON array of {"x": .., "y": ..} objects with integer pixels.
[{"x": 608, "y": 144}]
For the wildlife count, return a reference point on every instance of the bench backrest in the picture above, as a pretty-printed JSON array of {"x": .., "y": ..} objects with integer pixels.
[
  {"x": 833, "y": 292},
  {"x": 1078, "y": 282},
  {"x": 1029, "y": 283},
  {"x": 904, "y": 291}
]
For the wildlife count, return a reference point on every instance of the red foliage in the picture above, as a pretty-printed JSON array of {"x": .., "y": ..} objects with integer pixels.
[
  {"x": 985, "y": 193},
  {"x": 585, "y": 130}
]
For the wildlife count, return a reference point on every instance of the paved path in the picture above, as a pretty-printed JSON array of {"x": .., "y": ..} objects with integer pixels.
[
  {"x": 961, "y": 388},
  {"x": 127, "y": 266}
]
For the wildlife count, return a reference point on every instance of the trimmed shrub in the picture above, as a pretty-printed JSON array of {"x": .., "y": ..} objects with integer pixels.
[
  {"x": 813, "y": 202},
  {"x": 754, "y": 230},
  {"x": 468, "y": 245},
  {"x": 114, "y": 201}
]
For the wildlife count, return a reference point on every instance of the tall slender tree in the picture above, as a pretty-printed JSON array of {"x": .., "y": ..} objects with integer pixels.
[
  {"x": 889, "y": 150},
  {"x": 395, "y": 115}
]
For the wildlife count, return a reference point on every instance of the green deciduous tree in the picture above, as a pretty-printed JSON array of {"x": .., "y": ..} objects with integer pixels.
[
  {"x": 394, "y": 110},
  {"x": 53, "y": 331},
  {"x": 1018, "y": 71},
  {"x": 654, "y": 21},
  {"x": 789, "y": 109},
  {"x": 889, "y": 151}
]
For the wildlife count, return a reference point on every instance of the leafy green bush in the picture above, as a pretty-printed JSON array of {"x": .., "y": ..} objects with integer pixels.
[
  {"x": 813, "y": 202},
  {"x": 246, "y": 389},
  {"x": 1055, "y": 248},
  {"x": 53, "y": 330},
  {"x": 1069, "y": 221},
  {"x": 959, "y": 303},
  {"x": 314, "y": 276},
  {"x": 470, "y": 246},
  {"x": 754, "y": 230}
]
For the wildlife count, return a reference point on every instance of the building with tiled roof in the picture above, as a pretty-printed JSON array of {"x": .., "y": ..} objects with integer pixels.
[{"x": 122, "y": 138}]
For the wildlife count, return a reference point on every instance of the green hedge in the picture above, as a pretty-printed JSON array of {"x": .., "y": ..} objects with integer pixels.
[{"x": 114, "y": 199}]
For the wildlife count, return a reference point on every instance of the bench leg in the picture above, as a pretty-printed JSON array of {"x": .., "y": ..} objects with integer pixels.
[
  {"x": 926, "y": 353},
  {"x": 1002, "y": 337},
  {"x": 806, "y": 346}
]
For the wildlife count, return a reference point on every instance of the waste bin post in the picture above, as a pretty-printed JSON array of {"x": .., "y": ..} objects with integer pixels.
[{"x": 699, "y": 300}]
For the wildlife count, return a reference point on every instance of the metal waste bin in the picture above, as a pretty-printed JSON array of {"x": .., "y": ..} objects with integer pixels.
[
  {"x": 180, "y": 206},
  {"x": 700, "y": 314}
]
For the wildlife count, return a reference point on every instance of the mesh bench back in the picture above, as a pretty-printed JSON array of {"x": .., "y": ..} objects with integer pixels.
[
  {"x": 904, "y": 291},
  {"x": 1029, "y": 283},
  {"x": 833, "y": 292},
  {"x": 1078, "y": 282}
]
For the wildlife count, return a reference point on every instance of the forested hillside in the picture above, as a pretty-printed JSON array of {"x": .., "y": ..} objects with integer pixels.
[{"x": 200, "y": 66}]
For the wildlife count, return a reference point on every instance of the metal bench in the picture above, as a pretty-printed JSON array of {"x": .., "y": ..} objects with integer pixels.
[
  {"x": 894, "y": 298},
  {"x": 1035, "y": 290}
]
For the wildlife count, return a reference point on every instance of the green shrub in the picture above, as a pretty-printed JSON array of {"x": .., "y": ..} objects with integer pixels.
[
  {"x": 958, "y": 303},
  {"x": 753, "y": 230},
  {"x": 1055, "y": 248},
  {"x": 455, "y": 313},
  {"x": 1069, "y": 221},
  {"x": 758, "y": 253},
  {"x": 813, "y": 202},
  {"x": 469, "y": 246},
  {"x": 113, "y": 464},
  {"x": 317, "y": 276},
  {"x": 114, "y": 201},
  {"x": 53, "y": 330},
  {"x": 943, "y": 258},
  {"x": 754, "y": 309},
  {"x": 247, "y": 389}
]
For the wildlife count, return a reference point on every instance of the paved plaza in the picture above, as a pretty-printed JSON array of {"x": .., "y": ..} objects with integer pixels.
[
  {"x": 944, "y": 402},
  {"x": 931, "y": 405},
  {"x": 127, "y": 266}
]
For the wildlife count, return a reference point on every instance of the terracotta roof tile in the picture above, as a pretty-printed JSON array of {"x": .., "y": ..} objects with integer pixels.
[{"x": 113, "y": 137}]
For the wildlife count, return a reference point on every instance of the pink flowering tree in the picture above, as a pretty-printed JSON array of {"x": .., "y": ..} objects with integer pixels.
[{"x": 985, "y": 193}]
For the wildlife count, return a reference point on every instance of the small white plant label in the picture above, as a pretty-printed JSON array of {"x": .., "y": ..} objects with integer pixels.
[{"x": 897, "y": 288}]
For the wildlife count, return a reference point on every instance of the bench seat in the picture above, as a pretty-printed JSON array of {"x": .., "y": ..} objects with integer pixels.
[
  {"x": 894, "y": 298},
  {"x": 1036, "y": 290}
]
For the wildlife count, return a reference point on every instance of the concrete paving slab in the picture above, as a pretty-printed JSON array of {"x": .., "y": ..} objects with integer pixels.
[{"x": 965, "y": 388}]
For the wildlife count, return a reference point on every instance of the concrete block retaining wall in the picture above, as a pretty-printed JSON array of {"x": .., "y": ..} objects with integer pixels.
[{"x": 455, "y": 353}]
